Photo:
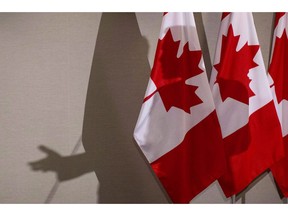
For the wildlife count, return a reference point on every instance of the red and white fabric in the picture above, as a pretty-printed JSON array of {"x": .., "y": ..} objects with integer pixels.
[
  {"x": 248, "y": 119},
  {"x": 177, "y": 129},
  {"x": 278, "y": 77}
]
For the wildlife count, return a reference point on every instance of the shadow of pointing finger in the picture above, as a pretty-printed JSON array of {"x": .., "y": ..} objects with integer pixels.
[
  {"x": 50, "y": 163},
  {"x": 66, "y": 168}
]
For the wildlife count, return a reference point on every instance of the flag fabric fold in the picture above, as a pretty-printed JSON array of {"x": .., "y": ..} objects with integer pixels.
[
  {"x": 278, "y": 77},
  {"x": 177, "y": 128},
  {"x": 250, "y": 128}
]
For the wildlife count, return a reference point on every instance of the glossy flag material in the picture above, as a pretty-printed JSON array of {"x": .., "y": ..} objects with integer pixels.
[
  {"x": 177, "y": 129},
  {"x": 249, "y": 124},
  {"x": 278, "y": 75}
]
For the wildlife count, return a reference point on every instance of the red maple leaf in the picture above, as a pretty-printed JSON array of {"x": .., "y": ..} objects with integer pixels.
[
  {"x": 279, "y": 67},
  {"x": 170, "y": 73},
  {"x": 233, "y": 68}
]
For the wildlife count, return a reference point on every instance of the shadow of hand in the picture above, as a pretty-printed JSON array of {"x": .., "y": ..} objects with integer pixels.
[
  {"x": 67, "y": 167},
  {"x": 53, "y": 162}
]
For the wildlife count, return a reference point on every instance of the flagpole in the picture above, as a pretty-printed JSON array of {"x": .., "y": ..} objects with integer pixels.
[
  {"x": 233, "y": 199},
  {"x": 243, "y": 200},
  {"x": 241, "y": 196}
]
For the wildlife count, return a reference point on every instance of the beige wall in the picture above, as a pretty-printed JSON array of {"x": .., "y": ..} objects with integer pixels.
[{"x": 67, "y": 77}]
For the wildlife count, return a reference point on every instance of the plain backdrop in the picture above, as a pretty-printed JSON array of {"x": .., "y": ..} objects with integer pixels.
[{"x": 74, "y": 83}]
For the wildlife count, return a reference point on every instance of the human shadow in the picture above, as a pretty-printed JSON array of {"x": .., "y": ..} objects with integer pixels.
[
  {"x": 65, "y": 167},
  {"x": 118, "y": 79}
]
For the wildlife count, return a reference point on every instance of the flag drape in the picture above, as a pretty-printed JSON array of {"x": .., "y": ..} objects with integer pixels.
[
  {"x": 247, "y": 115},
  {"x": 278, "y": 77},
  {"x": 177, "y": 129}
]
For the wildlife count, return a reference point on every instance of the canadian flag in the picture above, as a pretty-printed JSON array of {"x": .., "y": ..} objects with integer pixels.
[
  {"x": 278, "y": 77},
  {"x": 177, "y": 129},
  {"x": 248, "y": 119}
]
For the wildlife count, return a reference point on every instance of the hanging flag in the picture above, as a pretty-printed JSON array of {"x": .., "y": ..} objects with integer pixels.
[
  {"x": 177, "y": 129},
  {"x": 278, "y": 77},
  {"x": 249, "y": 124}
]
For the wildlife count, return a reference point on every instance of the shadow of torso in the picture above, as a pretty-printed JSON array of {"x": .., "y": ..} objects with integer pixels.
[{"x": 118, "y": 80}]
